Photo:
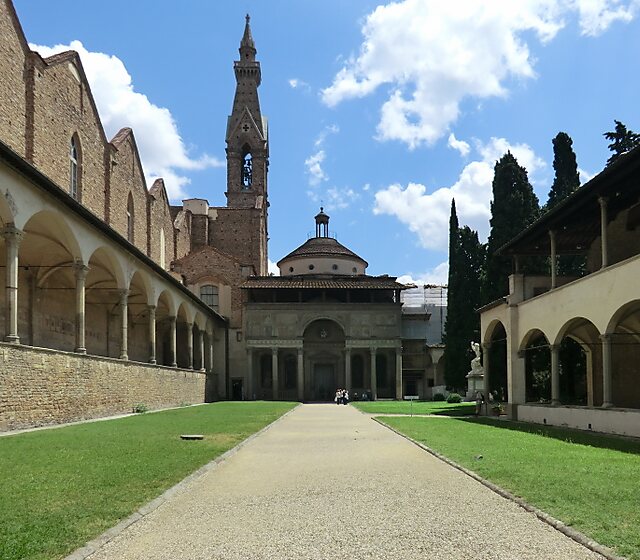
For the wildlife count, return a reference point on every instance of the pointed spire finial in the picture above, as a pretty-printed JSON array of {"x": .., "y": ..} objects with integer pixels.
[
  {"x": 247, "y": 18},
  {"x": 247, "y": 38}
]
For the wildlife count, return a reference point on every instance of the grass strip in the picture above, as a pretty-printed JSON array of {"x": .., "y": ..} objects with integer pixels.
[
  {"x": 588, "y": 481},
  {"x": 418, "y": 407},
  {"x": 60, "y": 488}
]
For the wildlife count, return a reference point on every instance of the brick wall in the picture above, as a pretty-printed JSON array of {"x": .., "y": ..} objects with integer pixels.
[
  {"x": 237, "y": 232},
  {"x": 12, "y": 88},
  {"x": 160, "y": 220},
  {"x": 39, "y": 387}
]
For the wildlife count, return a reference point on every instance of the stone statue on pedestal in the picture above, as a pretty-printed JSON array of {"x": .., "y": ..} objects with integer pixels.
[{"x": 475, "y": 378}]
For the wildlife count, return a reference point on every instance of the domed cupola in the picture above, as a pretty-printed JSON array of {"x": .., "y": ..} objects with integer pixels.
[{"x": 322, "y": 255}]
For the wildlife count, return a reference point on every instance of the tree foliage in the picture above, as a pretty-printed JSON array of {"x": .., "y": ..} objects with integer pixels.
[
  {"x": 514, "y": 207},
  {"x": 622, "y": 141},
  {"x": 466, "y": 258},
  {"x": 565, "y": 182}
]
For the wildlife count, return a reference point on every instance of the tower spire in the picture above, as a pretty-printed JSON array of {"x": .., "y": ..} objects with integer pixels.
[{"x": 247, "y": 44}]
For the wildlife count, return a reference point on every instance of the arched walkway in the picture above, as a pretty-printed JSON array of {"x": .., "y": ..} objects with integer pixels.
[
  {"x": 623, "y": 333},
  {"x": 537, "y": 367},
  {"x": 495, "y": 362}
]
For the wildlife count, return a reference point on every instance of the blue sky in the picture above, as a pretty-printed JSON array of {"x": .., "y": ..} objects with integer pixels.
[{"x": 383, "y": 111}]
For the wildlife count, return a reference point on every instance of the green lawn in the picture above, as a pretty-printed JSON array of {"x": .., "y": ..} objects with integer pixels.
[
  {"x": 60, "y": 488},
  {"x": 419, "y": 407},
  {"x": 588, "y": 481}
]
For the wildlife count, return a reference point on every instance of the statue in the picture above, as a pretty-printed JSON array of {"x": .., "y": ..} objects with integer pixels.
[
  {"x": 475, "y": 378},
  {"x": 475, "y": 363}
]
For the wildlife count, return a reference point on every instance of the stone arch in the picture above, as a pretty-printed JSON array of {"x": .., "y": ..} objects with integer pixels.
[
  {"x": 47, "y": 257},
  {"x": 184, "y": 336},
  {"x": 138, "y": 317},
  {"x": 308, "y": 323},
  {"x": 165, "y": 311},
  {"x": 580, "y": 362},
  {"x": 324, "y": 344},
  {"x": 623, "y": 333},
  {"x": 537, "y": 359},
  {"x": 495, "y": 361}
]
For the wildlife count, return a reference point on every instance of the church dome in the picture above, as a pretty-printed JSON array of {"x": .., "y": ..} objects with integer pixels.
[{"x": 322, "y": 254}]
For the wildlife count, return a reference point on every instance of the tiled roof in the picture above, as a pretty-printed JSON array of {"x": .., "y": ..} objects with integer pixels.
[
  {"x": 326, "y": 282},
  {"x": 322, "y": 247}
]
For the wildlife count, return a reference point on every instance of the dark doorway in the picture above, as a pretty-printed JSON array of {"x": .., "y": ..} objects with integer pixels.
[{"x": 236, "y": 389}]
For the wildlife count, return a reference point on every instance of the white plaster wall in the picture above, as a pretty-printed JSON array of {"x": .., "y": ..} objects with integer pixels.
[{"x": 322, "y": 265}]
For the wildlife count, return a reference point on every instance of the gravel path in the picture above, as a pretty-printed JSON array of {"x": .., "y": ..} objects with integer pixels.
[{"x": 328, "y": 482}]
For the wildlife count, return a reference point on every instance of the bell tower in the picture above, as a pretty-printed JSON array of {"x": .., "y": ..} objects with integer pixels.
[{"x": 247, "y": 133}]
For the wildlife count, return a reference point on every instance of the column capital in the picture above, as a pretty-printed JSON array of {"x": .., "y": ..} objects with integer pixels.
[
  {"x": 602, "y": 200},
  {"x": 373, "y": 350},
  {"x": 80, "y": 269},
  {"x": 554, "y": 347},
  {"x": 124, "y": 296},
  {"x": 172, "y": 318},
  {"x": 486, "y": 346},
  {"x": 189, "y": 324},
  {"x": 274, "y": 350},
  {"x": 300, "y": 351},
  {"x": 606, "y": 337},
  {"x": 151, "y": 308},
  {"x": 12, "y": 233}
]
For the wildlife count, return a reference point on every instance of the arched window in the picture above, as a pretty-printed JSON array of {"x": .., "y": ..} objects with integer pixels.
[
  {"x": 162, "y": 248},
  {"x": 130, "y": 218},
  {"x": 247, "y": 168},
  {"x": 209, "y": 295},
  {"x": 74, "y": 157}
]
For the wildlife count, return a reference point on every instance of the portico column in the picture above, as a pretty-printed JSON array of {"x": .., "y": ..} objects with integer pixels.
[
  {"x": 210, "y": 341},
  {"x": 80, "y": 271},
  {"x": 152, "y": 333},
  {"x": 13, "y": 237},
  {"x": 399, "y": 373},
  {"x": 300, "y": 374},
  {"x": 374, "y": 381},
  {"x": 347, "y": 369},
  {"x": 603, "y": 231},
  {"x": 554, "y": 259},
  {"x": 201, "y": 344},
  {"x": 250, "y": 395},
  {"x": 172, "y": 341},
  {"x": 486, "y": 366},
  {"x": 555, "y": 373},
  {"x": 124, "y": 332},
  {"x": 607, "y": 401},
  {"x": 274, "y": 373},
  {"x": 189, "y": 345}
]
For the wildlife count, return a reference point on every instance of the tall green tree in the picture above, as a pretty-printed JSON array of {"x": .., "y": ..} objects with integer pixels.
[
  {"x": 466, "y": 258},
  {"x": 565, "y": 182},
  {"x": 514, "y": 207},
  {"x": 622, "y": 141}
]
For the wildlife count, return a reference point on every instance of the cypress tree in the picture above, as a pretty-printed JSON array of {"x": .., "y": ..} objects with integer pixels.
[
  {"x": 565, "y": 182},
  {"x": 622, "y": 141},
  {"x": 466, "y": 256},
  {"x": 513, "y": 208}
]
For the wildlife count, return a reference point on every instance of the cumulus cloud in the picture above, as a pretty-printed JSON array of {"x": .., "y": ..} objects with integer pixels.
[
  {"x": 427, "y": 214},
  {"x": 314, "y": 168},
  {"x": 162, "y": 149},
  {"x": 437, "y": 276},
  {"x": 433, "y": 55},
  {"x": 273, "y": 269},
  {"x": 296, "y": 83},
  {"x": 459, "y": 145}
]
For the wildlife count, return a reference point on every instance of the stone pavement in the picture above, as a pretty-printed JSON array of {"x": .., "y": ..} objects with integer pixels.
[{"x": 329, "y": 482}]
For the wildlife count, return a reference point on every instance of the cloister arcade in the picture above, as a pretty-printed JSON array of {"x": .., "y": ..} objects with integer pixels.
[{"x": 77, "y": 286}]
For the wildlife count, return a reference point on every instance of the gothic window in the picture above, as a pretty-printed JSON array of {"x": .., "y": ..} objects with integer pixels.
[
  {"x": 73, "y": 167},
  {"x": 209, "y": 295},
  {"x": 247, "y": 171},
  {"x": 130, "y": 218}
]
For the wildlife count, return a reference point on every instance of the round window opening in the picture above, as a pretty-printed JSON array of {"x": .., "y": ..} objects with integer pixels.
[
  {"x": 354, "y": 269},
  {"x": 311, "y": 267},
  {"x": 335, "y": 267},
  {"x": 290, "y": 269}
]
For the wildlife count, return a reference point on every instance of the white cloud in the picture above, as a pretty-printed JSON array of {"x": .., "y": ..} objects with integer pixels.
[
  {"x": 427, "y": 214},
  {"x": 436, "y": 54},
  {"x": 585, "y": 176},
  {"x": 459, "y": 145},
  {"x": 314, "y": 168},
  {"x": 162, "y": 149},
  {"x": 296, "y": 83},
  {"x": 437, "y": 276},
  {"x": 273, "y": 269}
]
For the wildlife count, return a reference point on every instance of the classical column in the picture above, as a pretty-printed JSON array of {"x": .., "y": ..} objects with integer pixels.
[
  {"x": 201, "y": 342},
  {"x": 603, "y": 231},
  {"x": 374, "y": 387},
  {"x": 300, "y": 374},
  {"x": 12, "y": 237},
  {"x": 124, "y": 331},
  {"x": 210, "y": 340},
  {"x": 152, "y": 333},
  {"x": 80, "y": 272},
  {"x": 274, "y": 373},
  {"x": 250, "y": 383},
  {"x": 555, "y": 373},
  {"x": 607, "y": 401},
  {"x": 486, "y": 366},
  {"x": 172, "y": 341},
  {"x": 189, "y": 345},
  {"x": 399, "y": 373},
  {"x": 554, "y": 259},
  {"x": 347, "y": 369}
]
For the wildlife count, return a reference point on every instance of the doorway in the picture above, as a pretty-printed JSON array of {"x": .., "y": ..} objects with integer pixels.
[
  {"x": 236, "y": 390},
  {"x": 324, "y": 382}
]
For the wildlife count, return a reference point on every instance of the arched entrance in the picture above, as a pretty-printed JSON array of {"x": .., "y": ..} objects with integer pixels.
[{"x": 324, "y": 357}]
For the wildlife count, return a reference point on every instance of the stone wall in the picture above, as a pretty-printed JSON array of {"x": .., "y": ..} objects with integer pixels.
[{"x": 40, "y": 386}]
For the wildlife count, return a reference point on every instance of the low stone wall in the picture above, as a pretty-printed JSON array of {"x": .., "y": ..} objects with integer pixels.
[
  {"x": 39, "y": 386},
  {"x": 619, "y": 421}
]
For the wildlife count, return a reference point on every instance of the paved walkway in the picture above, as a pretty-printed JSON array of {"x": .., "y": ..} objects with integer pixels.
[{"x": 328, "y": 482}]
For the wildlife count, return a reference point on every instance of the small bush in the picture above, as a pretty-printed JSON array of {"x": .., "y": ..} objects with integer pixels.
[
  {"x": 438, "y": 397},
  {"x": 454, "y": 398},
  {"x": 140, "y": 408}
]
